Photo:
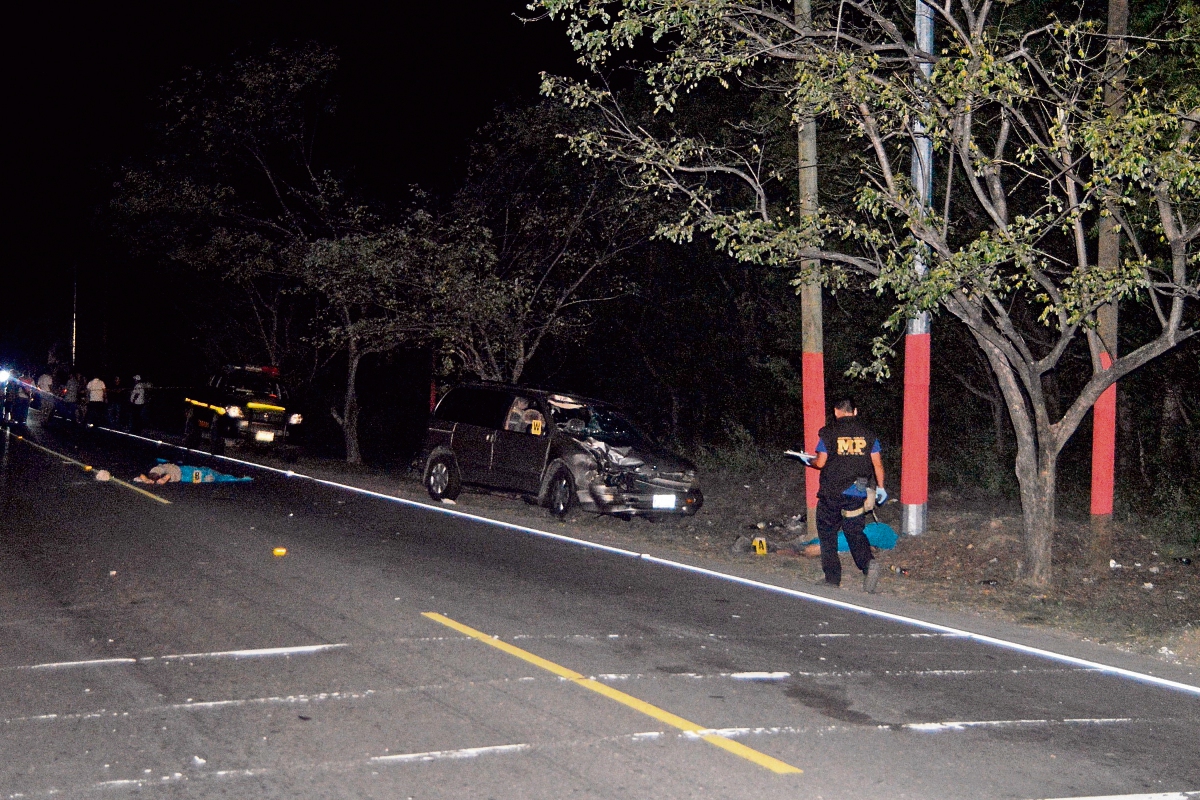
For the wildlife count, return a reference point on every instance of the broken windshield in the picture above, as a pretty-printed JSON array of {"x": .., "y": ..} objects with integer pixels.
[{"x": 596, "y": 421}]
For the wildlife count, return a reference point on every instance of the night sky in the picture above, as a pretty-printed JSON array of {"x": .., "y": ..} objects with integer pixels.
[{"x": 416, "y": 81}]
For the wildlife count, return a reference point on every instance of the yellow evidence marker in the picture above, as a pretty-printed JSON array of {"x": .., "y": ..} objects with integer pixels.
[{"x": 280, "y": 551}]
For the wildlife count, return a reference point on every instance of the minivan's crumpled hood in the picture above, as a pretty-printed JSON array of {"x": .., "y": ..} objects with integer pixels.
[
  {"x": 616, "y": 456},
  {"x": 652, "y": 460}
]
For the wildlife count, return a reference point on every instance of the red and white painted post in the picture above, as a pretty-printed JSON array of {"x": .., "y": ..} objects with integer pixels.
[{"x": 914, "y": 456}]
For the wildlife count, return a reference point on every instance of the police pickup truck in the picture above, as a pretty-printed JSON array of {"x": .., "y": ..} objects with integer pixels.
[{"x": 246, "y": 404}]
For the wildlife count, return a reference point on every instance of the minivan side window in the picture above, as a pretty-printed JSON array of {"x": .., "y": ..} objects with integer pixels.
[
  {"x": 524, "y": 417},
  {"x": 483, "y": 407}
]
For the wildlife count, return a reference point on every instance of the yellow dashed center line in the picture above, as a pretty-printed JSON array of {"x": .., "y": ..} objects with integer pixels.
[
  {"x": 666, "y": 717},
  {"x": 88, "y": 468}
]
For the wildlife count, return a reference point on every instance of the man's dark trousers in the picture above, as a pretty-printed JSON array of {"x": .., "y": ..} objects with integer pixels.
[{"x": 829, "y": 521}]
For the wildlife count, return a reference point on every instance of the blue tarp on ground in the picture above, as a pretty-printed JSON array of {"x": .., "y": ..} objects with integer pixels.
[{"x": 879, "y": 534}]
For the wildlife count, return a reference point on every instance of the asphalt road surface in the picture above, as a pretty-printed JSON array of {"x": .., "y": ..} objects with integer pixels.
[{"x": 162, "y": 648}]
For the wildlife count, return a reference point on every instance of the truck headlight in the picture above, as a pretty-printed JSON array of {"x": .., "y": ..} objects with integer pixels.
[
  {"x": 295, "y": 419},
  {"x": 234, "y": 412}
]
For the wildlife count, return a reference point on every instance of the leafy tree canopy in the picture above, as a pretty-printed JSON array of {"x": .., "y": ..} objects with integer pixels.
[{"x": 1028, "y": 157}]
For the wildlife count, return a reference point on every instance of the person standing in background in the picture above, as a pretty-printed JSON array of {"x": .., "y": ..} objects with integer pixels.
[
  {"x": 45, "y": 385},
  {"x": 137, "y": 404},
  {"x": 97, "y": 402},
  {"x": 71, "y": 397},
  {"x": 118, "y": 399}
]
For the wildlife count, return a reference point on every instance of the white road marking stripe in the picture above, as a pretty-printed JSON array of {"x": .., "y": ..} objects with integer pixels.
[
  {"x": 177, "y": 777},
  {"x": 1107, "y": 669},
  {"x": 852, "y": 673},
  {"x": 291, "y": 699},
  {"x": 1166, "y": 796},
  {"x": 263, "y": 652},
  {"x": 438, "y": 755},
  {"x": 256, "y": 653},
  {"x": 208, "y": 705},
  {"x": 938, "y": 727},
  {"x": 760, "y": 676},
  {"x": 95, "y": 662}
]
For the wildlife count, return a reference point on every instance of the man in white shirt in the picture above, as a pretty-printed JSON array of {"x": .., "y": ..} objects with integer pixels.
[
  {"x": 45, "y": 396},
  {"x": 137, "y": 403},
  {"x": 97, "y": 402}
]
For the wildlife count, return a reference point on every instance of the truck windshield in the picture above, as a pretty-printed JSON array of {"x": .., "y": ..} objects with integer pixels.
[{"x": 253, "y": 384}]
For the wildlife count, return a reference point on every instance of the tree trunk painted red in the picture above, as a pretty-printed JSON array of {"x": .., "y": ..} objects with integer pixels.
[{"x": 1104, "y": 446}]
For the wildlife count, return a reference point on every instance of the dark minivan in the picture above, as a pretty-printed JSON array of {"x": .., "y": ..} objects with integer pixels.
[{"x": 561, "y": 449}]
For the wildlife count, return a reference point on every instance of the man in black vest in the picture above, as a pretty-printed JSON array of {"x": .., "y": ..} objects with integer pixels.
[{"x": 848, "y": 455}]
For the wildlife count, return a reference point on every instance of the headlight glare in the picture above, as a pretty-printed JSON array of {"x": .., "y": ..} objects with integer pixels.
[
  {"x": 295, "y": 419},
  {"x": 234, "y": 412}
]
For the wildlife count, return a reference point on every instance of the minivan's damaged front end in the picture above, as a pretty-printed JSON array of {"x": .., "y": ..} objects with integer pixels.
[{"x": 622, "y": 480}]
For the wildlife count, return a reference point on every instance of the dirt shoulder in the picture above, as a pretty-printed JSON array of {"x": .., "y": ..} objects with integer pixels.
[{"x": 960, "y": 573}]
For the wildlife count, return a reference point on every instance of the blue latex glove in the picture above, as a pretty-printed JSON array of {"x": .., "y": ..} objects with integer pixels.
[{"x": 881, "y": 495}]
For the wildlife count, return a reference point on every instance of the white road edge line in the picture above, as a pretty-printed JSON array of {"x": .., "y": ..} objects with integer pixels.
[{"x": 1121, "y": 672}]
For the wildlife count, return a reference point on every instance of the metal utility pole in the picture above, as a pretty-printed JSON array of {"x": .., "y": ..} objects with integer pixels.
[
  {"x": 914, "y": 457},
  {"x": 74, "y": 313},
  {"x": 812, "y": 336},
  {"x": 1104, "y": 412}
]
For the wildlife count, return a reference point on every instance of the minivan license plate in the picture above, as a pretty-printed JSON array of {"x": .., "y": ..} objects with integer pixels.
[
  {"x": 663, "y": 501},
  {"x": 264, "y": 436}
]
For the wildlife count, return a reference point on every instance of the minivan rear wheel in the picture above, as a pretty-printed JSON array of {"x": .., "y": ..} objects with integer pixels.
[
  {"x": 442, "y": 480},
  {"x": 560, "y": 495}
]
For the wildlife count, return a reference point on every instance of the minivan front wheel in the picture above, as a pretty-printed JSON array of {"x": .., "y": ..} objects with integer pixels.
[
  {"x": 442, "y": 480},
  {"x": 560, "y": 495}
]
